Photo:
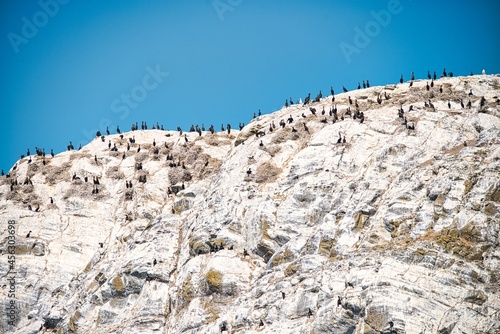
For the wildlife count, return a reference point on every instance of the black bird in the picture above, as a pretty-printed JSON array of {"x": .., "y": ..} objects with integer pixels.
[
  {"x": 154, "y": 142},
  {"x": 261, "y": 143},
  {"x": 367, "y": 84},
  {"x": 345, "y": 89},
  {"x": 139, "y": 149},
  {"x": 101, "y": 245},
  {"x": 282, "y": 294},
  {"x": 434, "y": 76},
  {"x": 412, "y": 76},
  {"x": 339, "y": 301},
  {"x": 28, "y": 235},
  {"x": 118, "y": 129},
  {"x": 107, "y": 131},
  {"x": 428, "y": 75},
  {"x": 449, "y": 105},
  {"x": 51, "y": 200},
  {"x": 154, "y": 262},
  {"x": 364, "y": 84},
  {"x": 359, "y": 86},
  {"x": 245, "y": 253},
  {"x": 261, "y": 323},
  {"x": 401, "y": 79},
  {"x": 309, "y": 312}
]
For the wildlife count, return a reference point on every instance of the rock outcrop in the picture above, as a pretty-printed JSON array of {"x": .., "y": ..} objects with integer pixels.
[{"x": 395, "y": 230}]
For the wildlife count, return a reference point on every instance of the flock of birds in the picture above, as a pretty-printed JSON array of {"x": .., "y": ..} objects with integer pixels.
[{"x": 333, "y": 115}]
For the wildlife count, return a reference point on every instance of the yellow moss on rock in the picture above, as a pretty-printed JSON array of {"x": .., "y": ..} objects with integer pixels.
[
  {"x": 118, "y": 284},
  {"x": 211, "y": 310},
  {"x": 292, "y": 269},
  {"x": 278, "y": 259},
  {"x": 326, "y": 248},
  {"x": 214, "y": 281},
  {"x": 360, "y": 220},
  {"x": 72, "y": 322},
  {"x": 267, "y": 172},
  {"x": 187, "y": 293}
]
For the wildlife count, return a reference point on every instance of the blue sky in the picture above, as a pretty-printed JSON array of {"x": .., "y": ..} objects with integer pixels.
[{"x": 69, "y": 67}]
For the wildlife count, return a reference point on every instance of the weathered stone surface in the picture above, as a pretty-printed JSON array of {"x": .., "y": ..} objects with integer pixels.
[{"x": 402, "y": 226}]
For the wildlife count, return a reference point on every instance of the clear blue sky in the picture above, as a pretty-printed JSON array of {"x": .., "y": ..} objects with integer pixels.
[{"x": 71, "y": 66}]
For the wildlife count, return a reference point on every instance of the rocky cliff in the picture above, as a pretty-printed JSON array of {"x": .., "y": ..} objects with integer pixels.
[{"x": 393, "y": 230}]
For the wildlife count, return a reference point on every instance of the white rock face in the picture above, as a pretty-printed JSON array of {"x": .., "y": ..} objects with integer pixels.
[{"x": 393, "y": 227}]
